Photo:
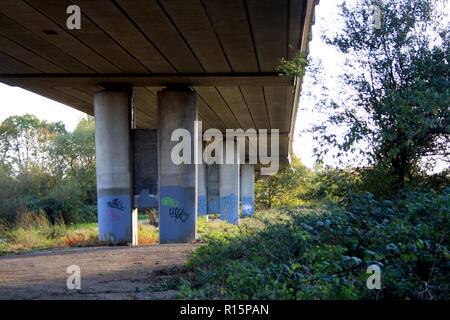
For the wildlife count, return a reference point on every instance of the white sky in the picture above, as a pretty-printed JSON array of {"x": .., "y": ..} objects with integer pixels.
[
  {"x": 17, "y": 101},
  {"x": 326, "y": 15}
]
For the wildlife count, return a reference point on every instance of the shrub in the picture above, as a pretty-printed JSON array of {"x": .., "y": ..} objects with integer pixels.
[
  {"x": 147, "y": 234},
  {"x": 323, "y": 253}
]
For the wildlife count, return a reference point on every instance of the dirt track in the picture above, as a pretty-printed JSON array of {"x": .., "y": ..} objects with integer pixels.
[{"x": 106, "y": 272}]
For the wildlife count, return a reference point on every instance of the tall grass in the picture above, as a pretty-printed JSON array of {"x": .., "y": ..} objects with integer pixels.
[{"x": 33, "y": 231}]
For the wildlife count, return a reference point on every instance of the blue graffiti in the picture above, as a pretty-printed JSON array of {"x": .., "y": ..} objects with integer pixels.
[
  {"x": 175, "y": 222},
  {"x": 247, "y": 206},
  {"x": 229, "y": 208},
  {"x": 114, "y": 217},
  {"x": 116, "y": 203}
]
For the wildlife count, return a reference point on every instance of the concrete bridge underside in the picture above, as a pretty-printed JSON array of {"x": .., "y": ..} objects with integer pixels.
[{"x": 144, "y": 69}]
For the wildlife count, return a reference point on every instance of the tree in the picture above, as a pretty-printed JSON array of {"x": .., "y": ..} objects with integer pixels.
[
  {"x": 397, "y": 82},
  {"x": 24, "y": 141},
  {"x": 45, "y": 168},
  {"x": 286, "y": 188}
]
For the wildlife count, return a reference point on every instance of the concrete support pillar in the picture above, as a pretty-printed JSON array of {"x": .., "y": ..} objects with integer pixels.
[
  {"x": 229, "y": 188},
  {"x": 247, "y": 189},
  {"x": 177, "y": 109},
  {"x": 212, "y": 185},
  {"x": 114, "y": 173},
  {"x": 202, "y": 191}
]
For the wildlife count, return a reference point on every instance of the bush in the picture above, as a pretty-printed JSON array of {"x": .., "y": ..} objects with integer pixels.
[{"x": 323, "y": 253}]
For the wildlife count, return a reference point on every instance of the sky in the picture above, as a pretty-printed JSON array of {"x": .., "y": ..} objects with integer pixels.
[
  {"x": 326, "y": 14},
  {"x": 17, "y": 101}
]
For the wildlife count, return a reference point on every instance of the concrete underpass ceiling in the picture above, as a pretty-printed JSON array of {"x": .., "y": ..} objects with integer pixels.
[{"x": 228, "y": 51}]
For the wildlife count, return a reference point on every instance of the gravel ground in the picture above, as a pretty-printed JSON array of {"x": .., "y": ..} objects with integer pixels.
[{"x": 106, "y": 272}]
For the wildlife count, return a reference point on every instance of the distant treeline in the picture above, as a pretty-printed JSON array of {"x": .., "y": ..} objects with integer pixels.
[{"x": 44, "y": 168}]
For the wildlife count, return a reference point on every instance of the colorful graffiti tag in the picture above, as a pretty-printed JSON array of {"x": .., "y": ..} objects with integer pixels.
[
  {"x": 247, "y": 206},
  {"x": 176, "y": 214},
  {"x": 169, "y": 202},
  {"x": 116, "y": 203},
  {"x": 112, "y": 216}
]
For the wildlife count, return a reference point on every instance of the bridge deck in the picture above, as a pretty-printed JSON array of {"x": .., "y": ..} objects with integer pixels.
[{"x": 228, "y": 51}]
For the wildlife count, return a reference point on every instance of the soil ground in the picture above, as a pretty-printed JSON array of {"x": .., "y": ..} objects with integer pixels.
[{"x": 106, "y": 272}]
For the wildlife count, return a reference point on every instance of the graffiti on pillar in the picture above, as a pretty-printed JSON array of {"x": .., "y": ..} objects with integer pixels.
[
  {"x": 178, "y": 214},
  {"x": 114, "y": 220},
  {"x": 169, "y": 202},
  {"x": 247, "y": 206},
  {"x": 116, "y": 204},
  {"x": 201, "y": 206},
  {"x": 174, "y": 211},
  {"x": 112, "y": 216}
]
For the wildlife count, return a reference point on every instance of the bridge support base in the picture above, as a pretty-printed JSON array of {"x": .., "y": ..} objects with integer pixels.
[
  {"x": 113, "y": 165},
  {"x": 229, "y": 188},
  {"x": 177, "y": 109},
  {"x": 247, "y": 189},
  {"x": 212, "y": 186},
  {"x": 202, "y": 192}
]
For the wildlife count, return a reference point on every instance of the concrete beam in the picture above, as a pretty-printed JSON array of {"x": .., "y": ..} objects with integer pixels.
[{"x": 148, "y": 79}]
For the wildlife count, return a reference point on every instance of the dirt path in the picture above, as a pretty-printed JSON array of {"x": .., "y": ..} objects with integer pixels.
[{"x": 106, "y": 272}]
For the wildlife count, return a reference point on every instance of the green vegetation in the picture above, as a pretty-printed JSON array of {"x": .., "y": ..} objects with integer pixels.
[
  {"x": 323, "y": 252},
  {"x": 320, "y": 229},
  {"x": 295, "y": 67},
  {"x": 45, "y": 169},
  {"x": 394, "y": 105},
  {"x": 34, "y": 231}
]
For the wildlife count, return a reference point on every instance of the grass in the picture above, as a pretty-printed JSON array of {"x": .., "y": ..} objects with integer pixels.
[
  {"x": 324, "y": 252},
  {"x": 35, "y": 232}
]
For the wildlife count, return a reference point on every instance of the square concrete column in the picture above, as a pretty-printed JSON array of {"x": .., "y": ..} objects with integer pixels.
[
  {"x": 229, "y": 187},
  {"x": 212, "y": 186},
  {"x": 112, "y": 109},
  {"x": 177, "y": 113},
  {"x": 202, "y": 192},
  {"x": 247, "y": 189}
]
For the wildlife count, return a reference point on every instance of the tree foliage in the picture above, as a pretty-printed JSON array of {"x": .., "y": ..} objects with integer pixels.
[
  {"x": 397, "y": 79},
  {"x": 45, "y": 168},
  {"x": 284, "y": 188}
]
